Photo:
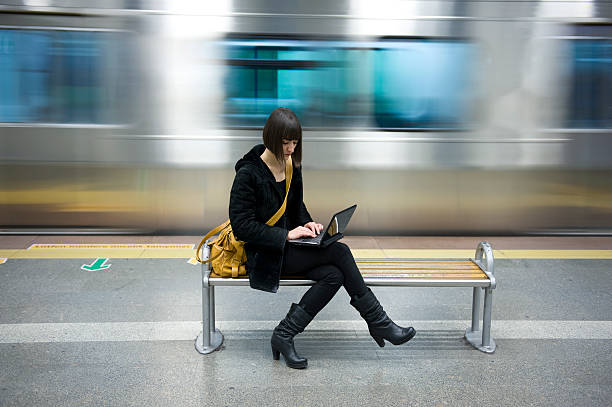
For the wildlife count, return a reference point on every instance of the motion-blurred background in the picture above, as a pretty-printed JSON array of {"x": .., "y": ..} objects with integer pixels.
[{"x": 435, "y": 117}]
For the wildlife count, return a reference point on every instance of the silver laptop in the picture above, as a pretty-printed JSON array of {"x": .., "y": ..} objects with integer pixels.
[{"x": 333, "y": 232}]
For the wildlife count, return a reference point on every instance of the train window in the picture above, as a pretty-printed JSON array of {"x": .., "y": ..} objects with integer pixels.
[
  {"x": 590, "y": 103},
  {"x": 64, "y": 76},
  {"x": 319, "y": 80},
  {"x": 388, "y": 84},
  {"x": 423, "y": 83}
]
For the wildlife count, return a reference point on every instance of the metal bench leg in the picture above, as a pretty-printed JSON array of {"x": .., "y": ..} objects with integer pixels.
[
  {"x": 476, "y": 309},
  {"x": 211, "y": 338},
  {"x": 481, "y": 340},
  {"x": 488, "y": 343},
  {"x": 211, "y": 309}
]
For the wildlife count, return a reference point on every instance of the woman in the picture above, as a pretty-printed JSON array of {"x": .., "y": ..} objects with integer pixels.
[{"x": 257, "y": 193}]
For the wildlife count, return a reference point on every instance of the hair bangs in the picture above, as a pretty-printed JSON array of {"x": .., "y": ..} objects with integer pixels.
[{"x": 283, "y": 124}]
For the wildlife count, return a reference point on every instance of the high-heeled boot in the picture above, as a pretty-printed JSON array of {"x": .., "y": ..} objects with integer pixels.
[
  {"x": 282, "y": 338},
  {"x": 380, "y": 325}
]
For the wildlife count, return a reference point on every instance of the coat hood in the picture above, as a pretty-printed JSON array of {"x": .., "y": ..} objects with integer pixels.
[{"x": 253, "y": 157}]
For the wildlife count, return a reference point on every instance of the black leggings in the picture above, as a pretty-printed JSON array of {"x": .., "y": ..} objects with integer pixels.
[{"x": 330, "y": 267}]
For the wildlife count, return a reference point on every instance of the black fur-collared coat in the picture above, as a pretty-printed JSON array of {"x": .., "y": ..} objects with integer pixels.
[{"x": 254, "y": 199}]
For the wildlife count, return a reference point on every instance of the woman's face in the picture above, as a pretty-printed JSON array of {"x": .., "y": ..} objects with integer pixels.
[{"x": 288, "y": 148}]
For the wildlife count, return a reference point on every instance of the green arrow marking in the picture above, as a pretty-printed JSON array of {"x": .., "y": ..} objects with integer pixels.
[{"x": 96, "y": 265}]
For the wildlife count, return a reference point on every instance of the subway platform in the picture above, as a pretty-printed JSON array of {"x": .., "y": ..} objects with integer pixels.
[{"x": 112, "y": 320}]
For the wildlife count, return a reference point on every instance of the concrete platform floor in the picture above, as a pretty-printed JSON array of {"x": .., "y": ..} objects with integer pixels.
[{"x": 125, "y": 335}]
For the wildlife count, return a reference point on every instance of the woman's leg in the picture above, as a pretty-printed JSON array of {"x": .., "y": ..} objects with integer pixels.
[
  {"x": 282, "y": 338},
  {"x": 381, "y": 327},
  {"x": 328, "y": 279},
  {"x": 301, "y": 260},
  {"x": 330, "y": 267}
]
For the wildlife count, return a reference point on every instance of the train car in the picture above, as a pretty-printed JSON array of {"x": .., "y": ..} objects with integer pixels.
[{"x": 434, "y": 117}]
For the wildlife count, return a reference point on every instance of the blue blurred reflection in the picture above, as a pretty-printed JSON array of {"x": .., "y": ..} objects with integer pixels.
[
  {"x": 423, "y": 83},
  {"x": 63, "y": 76},
  {"x": 399, "y": 83},
  {"x": 591, "y": 84}
]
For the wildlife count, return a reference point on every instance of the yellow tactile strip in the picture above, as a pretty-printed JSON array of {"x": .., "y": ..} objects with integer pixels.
[
  {"x": 186, "y": 251},
  {"x": 464, "y": 253},
  {"x": 117, "y": 251},
  {"x": 111, "y": 246}
]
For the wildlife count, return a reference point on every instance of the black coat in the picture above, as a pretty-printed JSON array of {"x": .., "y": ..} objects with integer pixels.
[{"x": 254, "y": 199}]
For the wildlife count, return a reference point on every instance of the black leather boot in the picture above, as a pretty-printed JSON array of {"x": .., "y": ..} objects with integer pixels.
[
  {"x": 380, "y": 325},
  {"x": 282, "y": 338}
]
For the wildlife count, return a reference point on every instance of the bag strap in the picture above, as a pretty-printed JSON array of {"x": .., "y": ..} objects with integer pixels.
[
  {"x": 281, "y": 210},
  {"x": 208, "y": 235},
  {"x": 270, "y": 222}
]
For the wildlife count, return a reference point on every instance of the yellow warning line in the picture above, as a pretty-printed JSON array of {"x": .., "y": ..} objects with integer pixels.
[
  {"x": 8, "y": 254},
  {"x": 187, "y": 251},
  {"x": 553, "y": 254},
  {"x": 110, "y": 246},
  {"x": 498, "y": 254},
  {"x": 97, "y": 253}
]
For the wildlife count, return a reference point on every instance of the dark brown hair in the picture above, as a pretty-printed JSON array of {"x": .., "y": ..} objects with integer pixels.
[{"x": 283, "y": 124}]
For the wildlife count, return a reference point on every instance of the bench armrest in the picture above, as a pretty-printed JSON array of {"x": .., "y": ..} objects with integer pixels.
[
  {"x": 484, "y": 248},
  {"x": 206, "y": 267}
]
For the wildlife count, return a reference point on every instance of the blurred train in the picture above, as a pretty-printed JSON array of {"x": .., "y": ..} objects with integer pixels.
[{"x": 435, "y": 117}]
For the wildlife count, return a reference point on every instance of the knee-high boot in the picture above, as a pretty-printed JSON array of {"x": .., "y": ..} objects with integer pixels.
[
  {"x": 380, "y": 325},
  {"x": 282, "y": 338}
]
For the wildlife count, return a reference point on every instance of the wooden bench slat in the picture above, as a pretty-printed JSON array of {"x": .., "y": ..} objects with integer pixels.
[
  {"x": 409, "y": 269},
  {"x": 409, "y": 272},
  {"x": 399, "y": 261},
  {"x": 412, "y": 263},
  {"x": 413, "y": 266},
  {"x": 441, "y": 276},
  {"x": 392, "y": 275},
  {"x": 418, "y": 265},
  {"x": 422, "y": 268}
]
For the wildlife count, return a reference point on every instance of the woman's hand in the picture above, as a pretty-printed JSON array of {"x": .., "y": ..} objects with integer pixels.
[
  {"x": 300, "y": 231},
  {"x": 314, "y": 226}
]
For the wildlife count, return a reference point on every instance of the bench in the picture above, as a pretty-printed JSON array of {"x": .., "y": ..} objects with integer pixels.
[{"x": 476, "y": 273}]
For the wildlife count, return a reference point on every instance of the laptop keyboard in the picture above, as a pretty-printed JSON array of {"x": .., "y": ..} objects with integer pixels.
[{"x": 312, "y": 240}]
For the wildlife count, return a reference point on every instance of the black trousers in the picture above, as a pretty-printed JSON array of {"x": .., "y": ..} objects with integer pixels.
[{"x": 331, "y": 268}]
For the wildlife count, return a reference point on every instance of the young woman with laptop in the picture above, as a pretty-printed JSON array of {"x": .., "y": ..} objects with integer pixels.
[{"x": 258, "y": 191}]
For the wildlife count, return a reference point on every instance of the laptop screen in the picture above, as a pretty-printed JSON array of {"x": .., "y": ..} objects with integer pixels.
[
  {"x": 333, "y": 226},
  {"x": 341, "y": 220}
]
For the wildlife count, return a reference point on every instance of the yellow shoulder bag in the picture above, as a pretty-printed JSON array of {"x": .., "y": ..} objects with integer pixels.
[{"x": 226, "y": 252}]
